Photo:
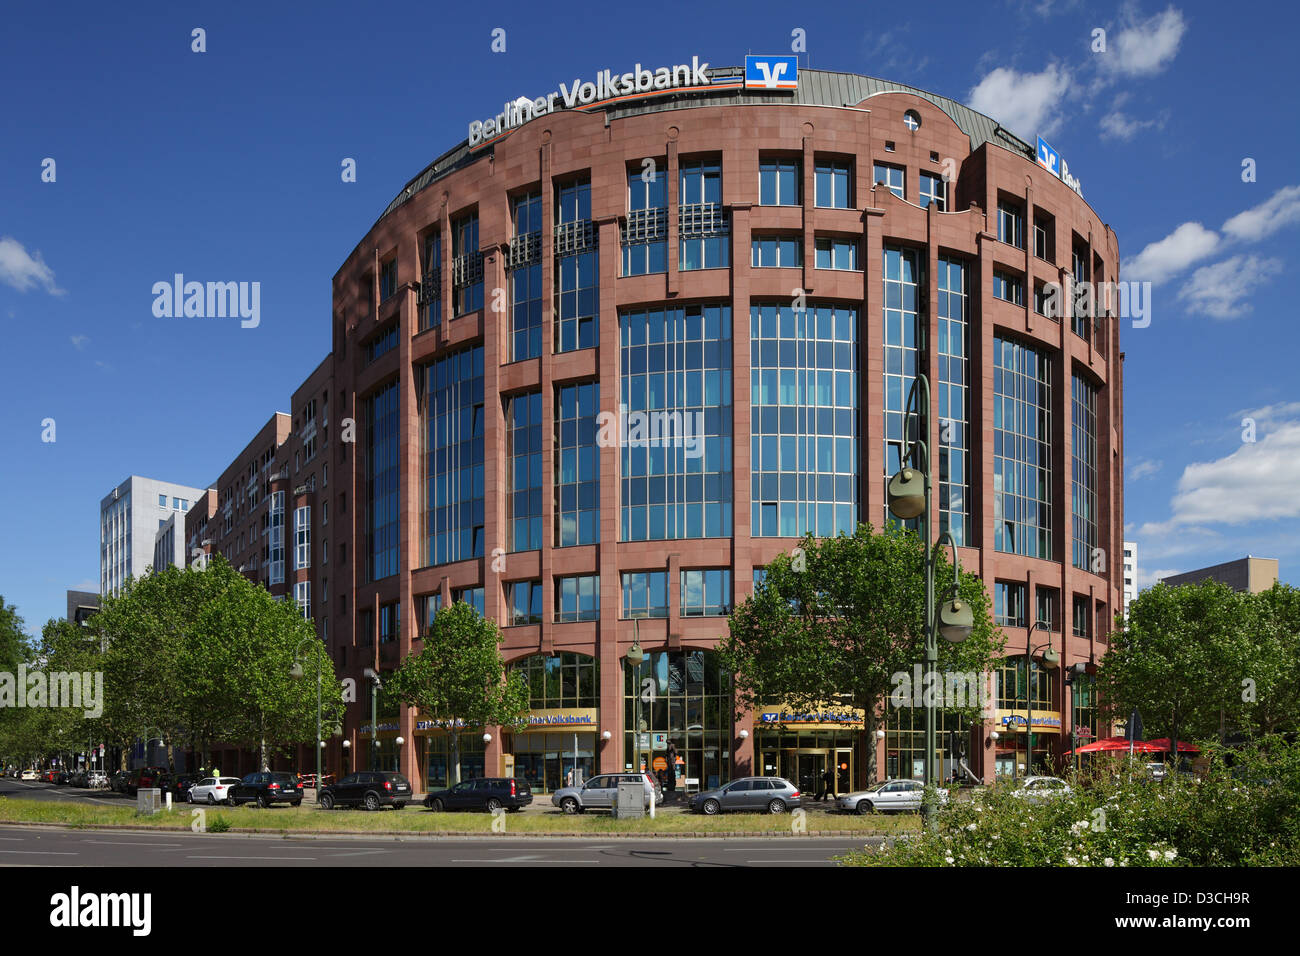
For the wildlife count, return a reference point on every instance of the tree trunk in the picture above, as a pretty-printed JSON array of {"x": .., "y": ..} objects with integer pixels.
[
  {"x": 264, "y": 764},
  {"x": 453, "y": 772},
  {"x": 869, "y": 722}
]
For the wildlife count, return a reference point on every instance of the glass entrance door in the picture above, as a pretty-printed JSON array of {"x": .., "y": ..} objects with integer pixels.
[{"x": 812, "y": 764}]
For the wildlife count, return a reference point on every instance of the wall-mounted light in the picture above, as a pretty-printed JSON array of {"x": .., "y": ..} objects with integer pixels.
[
  {"x": 487, "y": 738},
  {"x": 880, "y": 735},
  {"x": 400, "y": 741},
  {"x": 606, "y": 735},
  {"x": 744, "y": 734}
]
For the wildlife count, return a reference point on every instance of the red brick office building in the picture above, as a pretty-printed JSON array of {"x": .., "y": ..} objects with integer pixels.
[{"x": 773, "y": 266}]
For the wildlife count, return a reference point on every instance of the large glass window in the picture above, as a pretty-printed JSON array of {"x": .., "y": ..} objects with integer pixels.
[
  {"x": 275, "y": 546},
  {"x": 524, "y": 599},
  {"x": 577, "y": 465},
  {"x": 934, "y": 190},
  {"x": 705, "y": 237},
  {"x": 381, "y": 484},
  {"x": 905, "y": 742},
  {"x": 1083, "y": 477},
  {"x": 453, "y": 432},
  {"x": 1080, "y": 318},
  {"x": 1009, "y": 604},
  {"x": 836, "y": 253},
  {"x": 302, "y": 597},
  {"x": 833, "y": 184},
  {"x": 645, "y": 239},
  {"x": 524, "y": 454},
  {"x": 467, "y": 279},
  {"x": 705, "y": 592},
  {"x": 577, "y": 598},
  {"x": 645, "y": 594},
  {"x": 675, "y": 423},
  {"x": 1011, "y": 223},
  {"x": 691, "y": 705},
  {"x": 903, "y": 329},
  {"x": 526, "y": 280},
  {"x": 565, "y": 679},
  {"x": 302, "y": 537},
  {"x": 804, "y": 422},
  {"x": 1013, "y": 685},
  {"x": 431, "y": 282},
  {"x": 777, "y": 252},
  {"x": 1022, "y": 450},
  {"x": 779, "y": 182},
  {"x": 1081, "y": 615},
  {"x": 1008, "y": 288},
  {"x": 953, "y": 397},
  {"x": 895, "y": 177},
  {"x": 471, "y": 596},
  {"x": 577, "y": 269}
]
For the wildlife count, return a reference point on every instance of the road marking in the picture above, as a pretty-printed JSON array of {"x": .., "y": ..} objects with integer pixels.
[
  {"x": 357, "y": 853},
  {"x": 42, "y": 852},
  {"x": 786, "y": 859},
  {"x": 208, "y": 857},
  {"x": 125, "y": 843},
  {"x": 531, "y": 859}
]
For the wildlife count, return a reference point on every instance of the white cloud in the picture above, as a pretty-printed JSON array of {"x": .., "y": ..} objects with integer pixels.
[
  {"x": 1143, "y": 468},
  {"x": 1269, "y": 415},
  {"x": 1023, "y": 102},
  {"x": 1169, "y": 256},
  {"x": 1119, "y": 125},
  {"x": 79, "y": 341},
  {"x": 1279, "y": 210},
  {"x": 1146, "y": 579},
  {"x": 1221, "y": 290},
  {"x": 22, "y": 270},
  {"x": 1256, "y": 482},
  {"x": 1143, "y": 48}
]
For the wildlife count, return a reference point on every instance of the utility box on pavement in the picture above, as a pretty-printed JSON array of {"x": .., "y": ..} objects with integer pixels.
[
  {"x": 631, "y": 801},
  {"x": 148, "y": 801}
]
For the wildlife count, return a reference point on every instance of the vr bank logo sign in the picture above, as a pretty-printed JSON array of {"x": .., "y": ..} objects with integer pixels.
[
  {"x": 771, "y": 72},
  {"x": 1051, "y": 161}
]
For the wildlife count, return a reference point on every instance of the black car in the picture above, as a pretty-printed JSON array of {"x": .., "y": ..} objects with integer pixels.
[
  {"x": 371, "y": 789},
  {"x": 264, "y": 788},
  {"x": 485, "y": 793},
  {"x": 178, "y": 785},
  {"x": 117, "y": 782}
]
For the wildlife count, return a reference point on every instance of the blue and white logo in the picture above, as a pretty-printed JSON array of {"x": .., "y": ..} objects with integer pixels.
[
  {"x": 771, "y": 72},
  {"x": 1049, "y": 158}
]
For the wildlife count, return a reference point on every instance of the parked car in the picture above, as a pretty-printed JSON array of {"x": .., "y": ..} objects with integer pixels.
[
  {"x": 749, "y": 794},
  {"x": 210, "y": 790},
  {"x": 77, "y": 778},
  {"x": 265, "y": 787},
  {"x": 117, "y": 782},
  {"x": 179, "y": 784},
  {"x": 486, "y": 793},
  {"x": 371, "y": 789},
  {"x": 1039, "y": 789},
  {"x": 30, "y": 775},
  {"x": 59, "y": 777},
  {"x": 601, "y": 792},
  {"x": 889, "y": 796},
  {"x": 144, "y": 778}
]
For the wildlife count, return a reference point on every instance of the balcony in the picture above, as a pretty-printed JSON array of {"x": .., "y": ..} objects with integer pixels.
[
  {"x": 702, "y": 219},
  {"x": 645, "y": 225},
  {"x": 572, "y": 238}
]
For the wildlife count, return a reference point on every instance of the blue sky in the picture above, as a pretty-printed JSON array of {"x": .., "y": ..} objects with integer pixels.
[{"x": 225, "y": 165}]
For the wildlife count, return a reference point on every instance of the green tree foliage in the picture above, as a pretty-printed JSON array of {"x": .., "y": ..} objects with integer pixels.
[
  {"x": 13, "y": 639},
  {"x": 1193, "y": 654},
  {"x": 459, "y": 678},
  {"x": 843, "y": 618}
]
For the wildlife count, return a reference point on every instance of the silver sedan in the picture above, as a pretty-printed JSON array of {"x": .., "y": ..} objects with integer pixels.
[{"x": 891, "y": 795}]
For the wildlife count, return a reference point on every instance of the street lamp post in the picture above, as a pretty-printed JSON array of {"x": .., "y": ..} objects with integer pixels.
[
  {"x": 909, "y": 497},
  {"x": 634, "y": 658},
  {"x": 1051, "y": 660},
  {"x": 375, "y": 684},
  {"x": 296, "y": 673}
]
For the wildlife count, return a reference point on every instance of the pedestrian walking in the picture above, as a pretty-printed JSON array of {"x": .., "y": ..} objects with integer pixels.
[
  {"x": 826, "y": 785},
  {"x": 670, "y": 783}
]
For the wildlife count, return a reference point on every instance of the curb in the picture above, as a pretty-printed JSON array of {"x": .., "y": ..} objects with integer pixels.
[{"x": 433, "y": 834}]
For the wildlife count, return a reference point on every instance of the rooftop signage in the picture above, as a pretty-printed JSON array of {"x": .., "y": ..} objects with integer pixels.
[
  {"x": 1051, "y": 161},
  {"x": 761, "y": 73}
]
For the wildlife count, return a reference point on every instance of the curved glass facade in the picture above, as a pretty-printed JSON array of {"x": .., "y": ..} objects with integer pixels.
[
  {"x": 804, "y": 420},
  {"x": 682, "y": 697},
  {"x": 453, "y": 477},
  {"x": 1022, "y": 450}
]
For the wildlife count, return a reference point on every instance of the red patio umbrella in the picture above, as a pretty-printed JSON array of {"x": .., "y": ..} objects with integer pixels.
[
  {"x": 1117, "y": 744},
  {"x": 1162, "y": 743}
]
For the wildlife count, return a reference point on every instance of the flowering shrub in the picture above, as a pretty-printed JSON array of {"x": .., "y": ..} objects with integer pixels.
[{"x": 1243, "y": 811}]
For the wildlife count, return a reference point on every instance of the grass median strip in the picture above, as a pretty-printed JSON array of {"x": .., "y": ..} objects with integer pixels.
[{"x": 416, "y": 820}]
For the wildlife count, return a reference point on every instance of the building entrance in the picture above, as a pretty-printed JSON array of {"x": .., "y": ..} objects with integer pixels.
[{"x": 805, "y": 766}]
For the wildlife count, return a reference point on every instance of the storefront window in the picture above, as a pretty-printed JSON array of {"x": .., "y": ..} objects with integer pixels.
[
  {"x": 546, "y": 760},
  {"x": 433, "y": 754},
  {"x": 682, "y": 697},
  {"x": 560, "y": 680},
  {"x": 905, "y": 744}
]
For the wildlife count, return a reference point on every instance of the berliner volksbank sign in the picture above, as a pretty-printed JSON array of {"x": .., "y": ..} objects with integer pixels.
[{"x": 639, "y": 82}]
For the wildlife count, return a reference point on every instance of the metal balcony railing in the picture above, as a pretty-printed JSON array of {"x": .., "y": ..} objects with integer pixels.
[
  {"x": 524, "y": 250},
  {"x": 702, "y": 219},
  {"x": 572, "y": 238},
  {"x": 646, "y": 225}
]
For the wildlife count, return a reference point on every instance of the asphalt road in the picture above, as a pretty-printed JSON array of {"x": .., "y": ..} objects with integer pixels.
[
  {"x": 30, "y": 846},
  {"x": 28, "y": 790}
]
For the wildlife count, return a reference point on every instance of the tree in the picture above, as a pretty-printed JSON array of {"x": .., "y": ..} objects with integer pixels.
[
  {"x": 458, "y": 680},
  {"x": 1196, "y": 657},
  {"x": 13, "y": 639},
  {"x": 843, "y": 617}
]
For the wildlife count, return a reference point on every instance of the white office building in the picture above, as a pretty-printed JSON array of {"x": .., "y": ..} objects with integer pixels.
[
  {"x": 1130, "y": 574},
  {"x": 130, "y": 517}
]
